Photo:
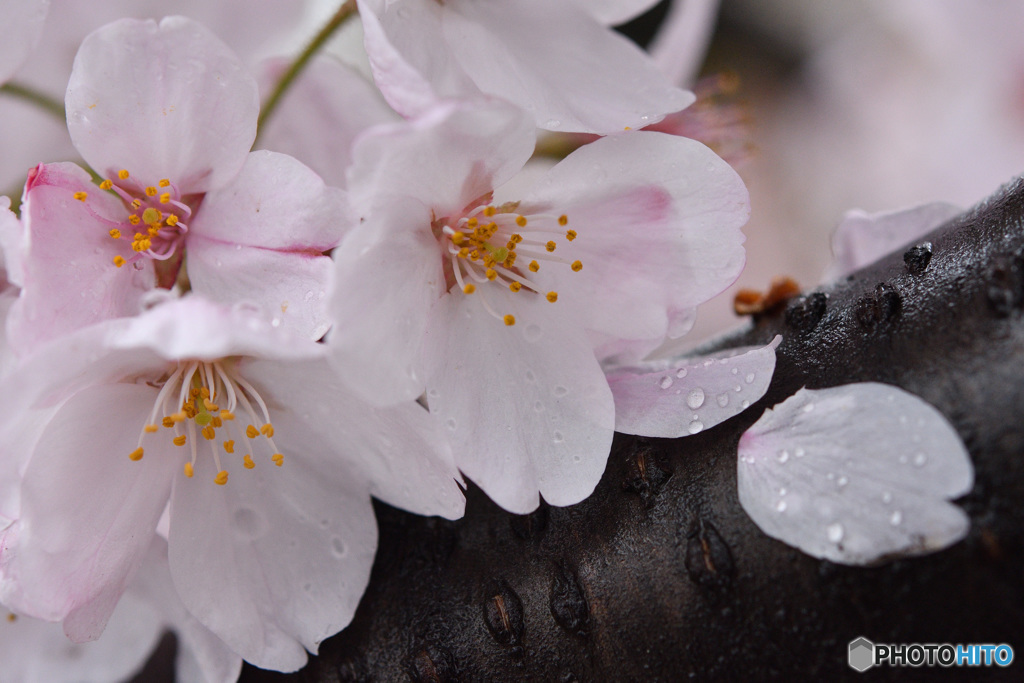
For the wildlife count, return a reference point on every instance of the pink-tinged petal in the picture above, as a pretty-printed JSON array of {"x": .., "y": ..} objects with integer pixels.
[
  {"x": 689, "y": 396},
  {"x": 404, "y": 43},
  {"x": 66, "y": 259},
  {"x": 612, "y": 12},
  {"x": 587, "y": 79},
  {"x": 277, "y": 559},
  {"x": 11, "y": 235},
  {"x": 658, "y": 219},
  {"x": 400, "y": 450},
  {"x": 863, "y": 238},
  {"x": 33, "y": 650},
  {"x": 613, "y": 352},
  {"x": 87, "y": 511},
  {"x": 388, "y": 275},
  {"x": 855, "y": 474},
  {"x": 447, "y": 158},
  {"x": 323, "y": 112},
  {"x": 202, "y": 656},
  {"x": 679, "y": 46},
  {"x": 275, "y": 202},
  {"x": 22, "y": 28},
  {"x": 290, "y": 288},
  {"x": 163, "y": 101},
  {"x": 526, "y": 408}
]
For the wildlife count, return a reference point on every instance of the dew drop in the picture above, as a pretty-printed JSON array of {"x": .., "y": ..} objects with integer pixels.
[
  {"x": 450, "y": 422},
  {"x": 886, "y": 497},
  {"x": 799, "y": 452},
  {"x": 835, "y": 532},
  {"x": 735, "y": 371},
  {"x": 842, "y": 481},
  {"x": 920, "y": 459},
  {"x": 665, "y": 382},
  {"x": 738, "y": 388},
  {"x": 695, "y": 426},
  {"x": 695, "y": 399},
  {"x": 557, "y": 437},
  {"x": 895, "y": 518},
  {"x": 749, "y": 378},
  {"x": 903, "y": 459},
  {"x": 577, "y": 459},
  {"x": 539, "y": 407},
  {"x": 559, "y": 391},
  {"x": 781, "y": 506},
  {"x": 552, "y": 124},
  {"x": 723, "y": 400},
  {"x": 782, "y": 492},
  {"x": 532, "y": 333},
  {"x": 681, "y": 372},
  {"x": 783, "y": 455},
  {"x": 745, "y": 405},
  {"x": 338, "y": 547}
]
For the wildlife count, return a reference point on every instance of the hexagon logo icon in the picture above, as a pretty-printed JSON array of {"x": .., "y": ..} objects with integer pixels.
[{"x": 862, "y": 654}]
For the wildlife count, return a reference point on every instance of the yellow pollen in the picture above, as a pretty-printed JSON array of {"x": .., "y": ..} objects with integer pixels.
[
  {"x": 81, "y": 196},
  {"x": 122, "y": 174},
  {"x": 151, "y": 215},
  {"x": 209, "y": 405},
  {"x": 209, "y": 433},
  {"x": 552, "y": 297},
  {"x": 154, "y": 230},
  {"x": 115, "y": 233},
  {"x": 570, "y": 235},
  {"x": 167, "y": 422},
  {"x": 577, "y": 266},
  {"x": 491, "y": 274},
  {"x": 12, "y": 617},
  {"x": 247, "y": 461},
  {"x": 490, "y": 211},
  {"x": 151, "y": 191},
  {"x": 267, "y": 430},
  {"x": 164, "y": 182},
  {"x": 134, "y": 220},
  {"x": 136, "y": 203},
  {"x": 179, "y": 440},
  {"x": 165, "y": 197},
  {"x": 136, "y": 455},
  {"x": 563, "y": 220},
  {"x": 106, "y": 185},
  {"x": 469, "y": 288},
  {"x": 221, "y": 478},
  {"x": 152, "y": 429},
  {"x": 278, "y": 459},
  {"x": 509, "y": 319},
  {"x": 472, "y": 222},
  {"x": 464, "y": 252},
  {"x": 515, "y": 286},
  {"x": 216, "y": 422},
  {"x": 516, "y": 237},
  {"x": 550, "y": 246},
  {"x": 188, "y": 470},
  {"x": 119, "y": 261},
  {"x": 229, "y": 446},
  {"x": 172, "y": 220},
  {"x": 511, "y": 259},
  {"x": 458, "y": 238},
  {"x": 252, "y": 432},
  {"x": 521, "y": 221},
  {"x": 474, "y": 255},
  {"x": 227, "y": 415},
  {"x": 179, "y": 417},
  {"x": 534, "y": 266}
]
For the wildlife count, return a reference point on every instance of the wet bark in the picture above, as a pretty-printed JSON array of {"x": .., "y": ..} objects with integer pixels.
[{"x": 660, "y": 575}]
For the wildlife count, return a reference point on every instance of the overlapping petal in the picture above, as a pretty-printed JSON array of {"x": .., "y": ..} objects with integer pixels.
[{"x": 22, "y": 28}]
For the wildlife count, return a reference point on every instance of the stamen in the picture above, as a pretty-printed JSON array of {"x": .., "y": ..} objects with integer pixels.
[
  {"x": 151, "y": 429},
  {"x": 570, "y": 235},
  {"x": 247, "y": 462},
  {"x": 563, "y": 220},
  {"x": 550, "y": 246},
  {"x": 119, "y": 260},
  {"x": 278, "y": 459},
  {"x": 189, "y": 471},
  {"x": 179, "y": 440},
  {"x": 469, "y": 288},
  {"x": 221, "y": 478},
  {"x": 509, "y": 319},
  {"x": 81, "y": 196},
  {"x": 552, "y": 297},
  {"x": 136, "y": 455},
  {"x": 151, "y": 191},
  {"x": 106, "y": 185},
  {"x": 122, "y": 174},
  {"x": 251, "y": 432},
  {"x": 577, "y": 266},
  {"x": 534, "y": 266},
  {"x": 267, "y": 430},
  {"x": 229, "y": 446},
  {"x": 164, "y": 182},
  {"x": 515, "y": 286},
  {"x": 115, "y": 233}
]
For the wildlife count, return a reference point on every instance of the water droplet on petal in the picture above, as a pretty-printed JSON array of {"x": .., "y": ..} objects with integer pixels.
[
  {"x": 530, "y": 377},
  {"x": 450, "y": 422},
  {"x": 735, "y": 371},
  {"x": 799, "y": 452},
  {"x": 920, "y": 459},
  {"x": 577, "y": 459},
  {"x": 559, "y": 391},
  {"x": 695, "y": 426},
  {"x": 749, "y": 378},
  {"x": 781, "y": 506},
  {"x": 895, "y": 518},
  {"x": 835, "y": 532},
  {"x": 539, "y": 407},
  {"x": 782, "y": 492},
  {"x": 665, "y": 382},
  {"x": 557, "y": 437},
  {"x": 552, "y": 124},
  {"x": 886, "y": 497},
  {"x": 338, "y": 547},
  {"x": 842, "y": 481},
  {"x": 723, "y": 400},
  {"x": 681, "y": 372},
  {"x": 695, "y": 399},
  {"x": 809, "y": 407},
  {"x": 783, "y": 455},
  {"x": 745, "y": 405}
]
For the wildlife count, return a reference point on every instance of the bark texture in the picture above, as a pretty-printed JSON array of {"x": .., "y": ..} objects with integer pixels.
[{"x": 660, "y": 575}]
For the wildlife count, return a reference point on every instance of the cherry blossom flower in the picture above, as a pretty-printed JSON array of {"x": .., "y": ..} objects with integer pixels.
[
  {"x": 240, "y": 429},
  {"x": 22, "y": 28},
  {"x": 167, "y": 113},
  {"x": 555, "y": 58},
  {"x": 855, "y": 474},
  {"x": 495, "y": 308}
]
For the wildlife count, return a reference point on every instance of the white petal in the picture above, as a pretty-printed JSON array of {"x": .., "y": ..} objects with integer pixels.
[
  {"x": 612, "y": 12},
  {"x": 691, "y": 395},
  {"x": 855, "y": 474},
  {"x": 22, "y": 27},
  {"x": 682, "y": 39}
]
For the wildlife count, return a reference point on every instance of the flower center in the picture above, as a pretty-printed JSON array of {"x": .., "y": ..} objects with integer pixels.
[
  {"x": 190, "y": 404},
  {"x": 156, "y": 222},
  {"x": 497, "y": 246}
]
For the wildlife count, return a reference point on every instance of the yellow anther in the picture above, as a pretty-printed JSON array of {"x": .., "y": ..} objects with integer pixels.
[
  {"x": 510, "y": 260},
  {"x": 115, "y": 233},
  {"x": 229, "y": 446},
  {"x": 552, "y": 297},
  {"x": 164, "y": 182},
  {"x": 193, "y": 392},
  {"x": 221, "y": 478},
  {"x": 515, "y": 286},
  {"x": 469, "y": 288},
  {"x": 179, "y": 440},
  {"x": 172, "y": 220},
  {"x": 247, "y": 461},
  {"x": 81, "y": 196},
  {"x": 151, "y": 429},
  {"x": 122, "y": 174},
  {"x": 119, "y": 260},
  {"x": 167, "y": 422},
  {"x": 278, "y": 459},
  {"x": 490, "y": 211},
  {"x": 252, "y": 432},
  {"x": 216, "y": 422},
  {"x": 570, "y": 235},
  {"x": 458, "y": 238},
  {"x": 521, "y": 221},
  {"x": 267, "y": 430},
  {"x": 188, "y": 470},
  {"x": 472, "y": 222},
  {"x": 136, "y": 455},
  {"x": 577, "y": 266},
  {"x": 134, "y": 220},
  {"x": 227, "y": 415},
  {"x": 165, "y": 197},
  {"x": 516, "y": 237},
  {"x": 534, "y": 266},
  {"x": 136, "y": 203},
  {"x": 106, "y": 185},
  {"x": 209, "y": 433},
  {"x": 563, "y": 220},
  {"x": 179, "y": 417},
  {"x": 210, "y": 405},
  {"x": 12, "y": 617},
  {"x": 474, "y": 255},
  {"x": 151, "y": 216},
  {"x": 550, "y": 246},
  {"x": 464, "y": 252},
  {"x": 154, "y": 230},
  {"x": 509, "y": 319},
  {"x": 491, "y": 273},
  {"x": 151, "y": 191}
]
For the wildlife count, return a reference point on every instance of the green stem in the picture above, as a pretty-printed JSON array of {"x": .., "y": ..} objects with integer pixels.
[
  {"x": 35, "y": 97},
  {"x": 347, "y": 10}
]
